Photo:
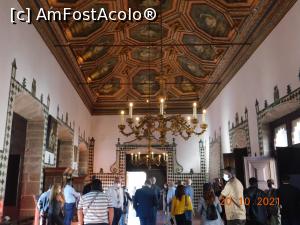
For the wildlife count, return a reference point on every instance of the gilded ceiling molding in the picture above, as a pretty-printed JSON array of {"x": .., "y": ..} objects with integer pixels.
[{"x": 96, "y": 55}]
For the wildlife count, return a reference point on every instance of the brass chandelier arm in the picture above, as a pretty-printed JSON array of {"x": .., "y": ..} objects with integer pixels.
[
  {"x": 148, "y": 125},
  {"x": 122, "y": 128}
]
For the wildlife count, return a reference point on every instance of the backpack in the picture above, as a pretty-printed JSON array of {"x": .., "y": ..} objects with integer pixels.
[{"x": 211, "y": 212}]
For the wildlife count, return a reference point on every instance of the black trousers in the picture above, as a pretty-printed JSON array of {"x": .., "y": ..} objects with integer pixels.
[
  {"x": 250, "y": 222},
  {"x": 117, "y": 216},
  {"x": 55, "y": 220},
  {"x": 180, "y": 219},
  {"x": 288, "y": 220},
  {"x": 236, "y": 222}
]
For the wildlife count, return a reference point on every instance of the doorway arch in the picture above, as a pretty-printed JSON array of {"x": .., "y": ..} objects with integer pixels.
[
  {"x": 27, "y": 158},
  {"x": 83, "y": 163}
]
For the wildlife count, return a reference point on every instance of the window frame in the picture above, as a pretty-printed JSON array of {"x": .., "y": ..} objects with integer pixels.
[{"x": 286, "y": 120}]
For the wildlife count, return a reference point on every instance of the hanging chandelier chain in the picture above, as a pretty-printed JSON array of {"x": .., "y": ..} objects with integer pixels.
[{"x": 151, "y": 126}]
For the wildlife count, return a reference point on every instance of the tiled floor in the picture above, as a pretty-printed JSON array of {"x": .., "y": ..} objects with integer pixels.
[{"x": 133, "y": 220}]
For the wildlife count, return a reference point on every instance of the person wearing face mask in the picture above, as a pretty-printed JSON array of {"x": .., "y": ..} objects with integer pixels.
[
  {"x": 116, "y": 194},
  {"x": 231, "y": 197}
]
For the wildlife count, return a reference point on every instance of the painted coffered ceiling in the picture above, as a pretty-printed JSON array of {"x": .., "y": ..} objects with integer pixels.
[{"x": 197, "y": 45}]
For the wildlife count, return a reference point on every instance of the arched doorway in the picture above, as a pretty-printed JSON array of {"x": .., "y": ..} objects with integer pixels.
[
  {"x": 25, "y": 160},
  {"x": 65, "y": 147},
  {"x": 83, "y": 164}
]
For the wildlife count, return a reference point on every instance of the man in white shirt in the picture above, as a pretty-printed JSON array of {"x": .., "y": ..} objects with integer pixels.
[
  {"x": 233, "y": 194},
  {"x": 70, "y": 196},
  {"x": 117, "y": 197}
]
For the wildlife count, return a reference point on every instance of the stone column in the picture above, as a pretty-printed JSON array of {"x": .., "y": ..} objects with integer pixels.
[{"x": 31, "y": 176}]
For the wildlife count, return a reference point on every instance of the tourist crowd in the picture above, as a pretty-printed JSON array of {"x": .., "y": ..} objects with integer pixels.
[{"x": 224, "y": 202}]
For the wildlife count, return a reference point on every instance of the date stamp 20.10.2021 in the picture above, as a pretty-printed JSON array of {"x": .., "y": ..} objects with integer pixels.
[{"x": 259, "y": 201}]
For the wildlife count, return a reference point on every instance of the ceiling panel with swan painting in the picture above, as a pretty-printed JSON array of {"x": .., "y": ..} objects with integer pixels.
[{"x": 189, "y": 53}]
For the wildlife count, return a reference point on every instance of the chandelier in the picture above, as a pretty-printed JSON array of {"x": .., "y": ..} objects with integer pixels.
[
  {"x": 159, "y": 126},
  {"x": 149, "y": 126},
  {"x": 150, "y": 159}
]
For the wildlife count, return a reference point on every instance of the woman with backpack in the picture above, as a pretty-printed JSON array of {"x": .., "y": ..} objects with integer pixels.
[{"x": 209, "y": 207}]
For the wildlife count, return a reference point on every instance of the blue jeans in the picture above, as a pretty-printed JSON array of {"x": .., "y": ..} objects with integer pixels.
[
  {"x": 123, "y": 219},
  {"x": 69, "y": 213},
  {"x": 117, "y": 216},
  {"x": 188, "y": 217}
]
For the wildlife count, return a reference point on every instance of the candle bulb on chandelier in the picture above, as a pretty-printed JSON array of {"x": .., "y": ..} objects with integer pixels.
[
  {"x": 122, "y": 117},
  {"x": 131, "y": 156},
  {"x": 161, "y": 106},
  {"x": 137, "y": 119},
  {"x": 203, "y": 115},
  {"x": 130, "y": 110},
  {"x": 189, "y": 120},
  {"x": 152, "y": 155},
  {"x": 194, "y": 110},
  {"x": 139, "y": 155}
]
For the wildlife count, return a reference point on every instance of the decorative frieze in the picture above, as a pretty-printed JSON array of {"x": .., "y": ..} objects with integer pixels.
[
  {"x": 291, "y": 97},
  {"x": 239, "y": 132},
  {"x": 215, "y": 157}
]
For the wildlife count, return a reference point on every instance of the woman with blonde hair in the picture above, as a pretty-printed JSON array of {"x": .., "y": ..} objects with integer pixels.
[{"x": 56, "y": 202}]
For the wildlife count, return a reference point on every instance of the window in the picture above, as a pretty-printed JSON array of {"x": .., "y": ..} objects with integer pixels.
[
  {"x": 296, "y": 131},
  {"x": 281, "y": 137},
  {"x": 285, "y": 131}
]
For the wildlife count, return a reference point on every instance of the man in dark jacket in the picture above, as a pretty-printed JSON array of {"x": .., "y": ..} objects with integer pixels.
[
  {"x": 289, "y": 197},
  {"x": 145, "y": 203},
  {"x": 156, "y": 189},
  {"x": 256, "y": 211}
]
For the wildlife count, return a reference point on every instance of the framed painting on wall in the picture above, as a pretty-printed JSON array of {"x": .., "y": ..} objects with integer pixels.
[{"x": 51, "y": 134}]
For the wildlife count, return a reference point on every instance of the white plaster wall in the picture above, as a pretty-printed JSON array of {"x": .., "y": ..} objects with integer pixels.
[
  {"x": 275, "y": 62},
  {"x": 106, "y": 133},
  {"x": 34, "y": 60}
]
